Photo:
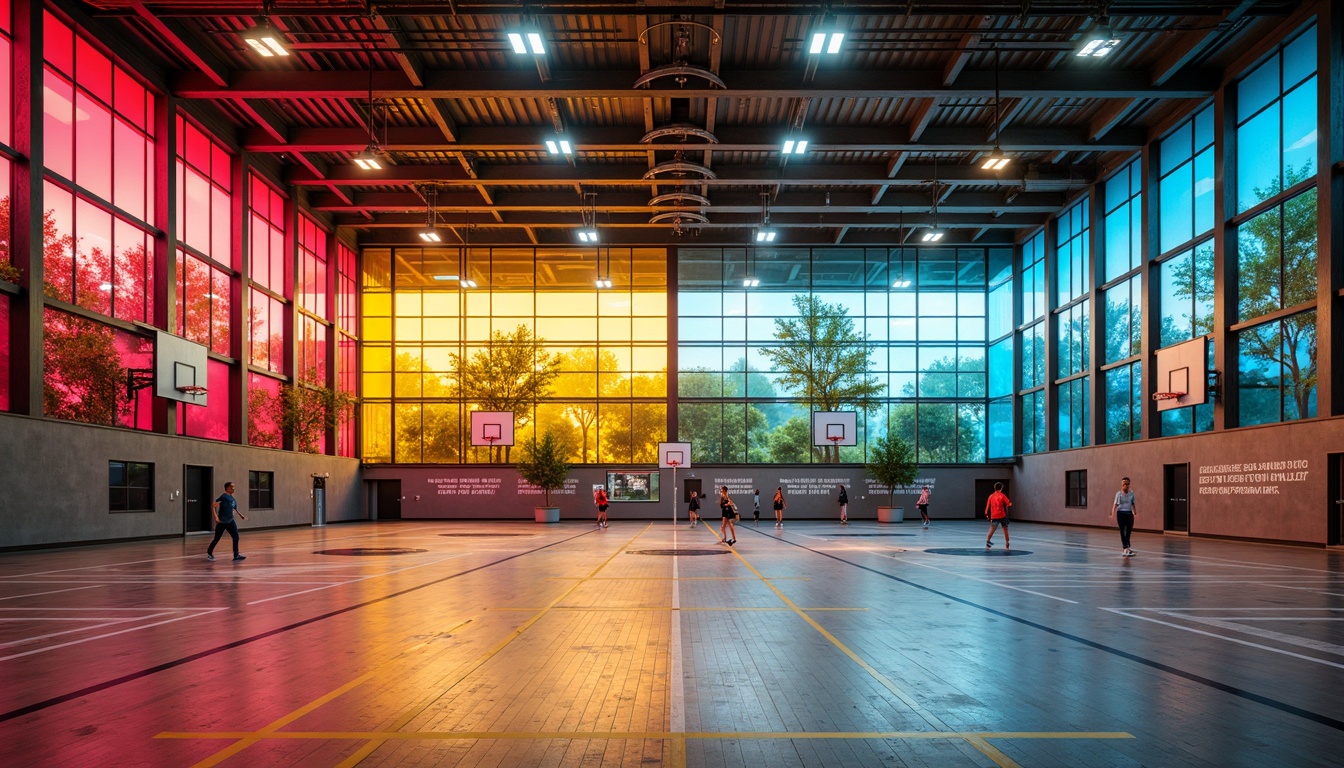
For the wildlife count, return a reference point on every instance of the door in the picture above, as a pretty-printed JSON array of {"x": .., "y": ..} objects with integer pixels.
[
  {"x": 687, "y": 485},
  {"x": 389, "y": 499},
  {"x": 983, "y": 490},
  {"x": 198, "y": 484},
  {"x": 1176, "y": 498},
  {"x": 1335, "y": 528}
]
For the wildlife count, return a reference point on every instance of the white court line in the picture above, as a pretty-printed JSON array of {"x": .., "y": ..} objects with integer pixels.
[
  {"x": 1238, "y": 641},
  {"x": 365, "y": 578},
  {"x": 49, "y": 635},
  {"x": 163, "y": 559},
  {"x": 1307, "y": 589},
  {"x": 1232, "y": 625},
  {"x": 109, "y": 608},
  {"x": 1276, "y": 618},
  {"x": 1177, "y": 555},
  {"x": 677, "y": 707},
  {"x": 104, "y": 635},
  {"x": 983, "y": 581},
  {"x": 51, "y": 592}
]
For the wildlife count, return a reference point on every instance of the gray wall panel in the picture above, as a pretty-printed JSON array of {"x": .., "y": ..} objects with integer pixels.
[
  {"x": 1267, "y": 482},
  {"x": 494, "y": 492},
  {"x": 55, "y": 476}
]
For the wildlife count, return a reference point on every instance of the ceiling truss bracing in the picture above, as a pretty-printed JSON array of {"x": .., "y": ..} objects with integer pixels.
[{"x": 906, "y": 106}]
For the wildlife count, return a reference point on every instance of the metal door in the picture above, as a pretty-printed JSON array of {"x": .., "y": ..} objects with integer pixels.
[
  {"x": 389, "y": 499},
  {"x": 197, "y": 483},
  {"x": 1176, "y": 498},
  {"x": 687, "y": 485}
]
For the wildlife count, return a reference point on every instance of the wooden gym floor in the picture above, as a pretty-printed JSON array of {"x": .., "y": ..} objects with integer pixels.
[{"x": 516, "y": 644}]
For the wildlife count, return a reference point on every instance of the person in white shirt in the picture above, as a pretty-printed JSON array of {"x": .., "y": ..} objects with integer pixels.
[{"x": 1122, "y": 512}]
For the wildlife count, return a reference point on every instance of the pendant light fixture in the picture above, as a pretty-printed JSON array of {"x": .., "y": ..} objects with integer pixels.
[
  {"x": 430, "y": 234},
  {"x": 996, "y": 160},
  {"x": 371, "y": 157},
  {"x": 934, "y": 234},
  {"x": 264, "y": 39},
  {"x": 464, "y": 258}
]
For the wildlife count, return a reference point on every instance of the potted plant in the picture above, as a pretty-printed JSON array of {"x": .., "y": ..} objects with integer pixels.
[
  {"x": 543, "y": 464},
  {"x": 892, "y": 464}
]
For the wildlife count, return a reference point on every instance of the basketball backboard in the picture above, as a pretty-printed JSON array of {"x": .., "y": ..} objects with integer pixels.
[
  {"x": 492, "y": 428},
  {"x": 680, "y": 453},
  {"x": 179, "y": 369},
  {"x": 1182, "y": 370},
  {"x": 835, "y": 428}
]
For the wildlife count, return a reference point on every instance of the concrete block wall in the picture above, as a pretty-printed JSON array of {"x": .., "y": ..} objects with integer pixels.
[{"x": 55, "y": 475}]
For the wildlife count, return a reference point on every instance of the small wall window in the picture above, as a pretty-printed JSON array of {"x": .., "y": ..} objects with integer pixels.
[
  {"x": 260, "y": 490},
  {"x": 1075, "y": 485},
  {"x": 130, "y": 486}
]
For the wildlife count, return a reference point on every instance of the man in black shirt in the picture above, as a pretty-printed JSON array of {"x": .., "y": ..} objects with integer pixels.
[{"x": 223, "y": 510}]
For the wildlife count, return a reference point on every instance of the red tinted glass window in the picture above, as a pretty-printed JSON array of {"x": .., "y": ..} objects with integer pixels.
[
  {"x": 84, "y": 366},
  {"x": 312, "y": 284},
  {"x": 4, "y": 352},
  {"x": 313, "y": 351},
  {"x": 203, "y": 194},
  {"x": 346, "y": 350},
  {"x": 6, "y": 77},
  {"x": 267, "y": 332},
  {"x": 204, "y": 294},
  {"x": 209, "y": 421},
  {"x": 263, "y": 403},
  {"x": 347, "y": 293},
  {"x": 268, "y": 264}
]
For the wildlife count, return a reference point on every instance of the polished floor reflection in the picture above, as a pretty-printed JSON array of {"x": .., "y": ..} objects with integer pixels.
[{"x": 513, "y": 644}]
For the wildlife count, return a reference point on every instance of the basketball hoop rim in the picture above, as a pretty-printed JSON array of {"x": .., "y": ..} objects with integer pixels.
[
  {"x": 1168, "y": 395},
  {"x": 191, "y": 390}
]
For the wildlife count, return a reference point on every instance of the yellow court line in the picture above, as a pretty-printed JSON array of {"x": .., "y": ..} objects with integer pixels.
[
  {"x": 415, "y": 710},
  {"x": 1000, "y": 759},
  {"x": 248, "y": 740},
  {"x": 648, "y": 735}
]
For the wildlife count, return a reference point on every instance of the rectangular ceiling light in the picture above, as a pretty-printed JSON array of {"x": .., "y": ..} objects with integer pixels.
[
  {"x": 1098, "y": 46},
  {"x": 534, "y": 39},
  {"x": 819, "y": 42},
  {"x": 765, "y": 236},
  {"x": 516, "y": 40}
]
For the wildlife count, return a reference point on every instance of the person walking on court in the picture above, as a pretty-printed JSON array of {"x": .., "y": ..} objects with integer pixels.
[
  {"x": 923, "y": 506},
  {"x": 727, "y": 531},
  {"x": 844, "y": 506},
  {"x": 600, "y": 498},
  {"x": 779, "y": 507},
  {"x": 1122, "y": 512},
  {"x": 756, "y": 505},
  {"x": 996, "y": 509},
  {"x": 694, "y": 508},
  {"x": 223, "y": 510}
]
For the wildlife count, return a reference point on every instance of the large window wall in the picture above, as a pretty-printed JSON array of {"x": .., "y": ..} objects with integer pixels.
[
  {"x": 9, "y": 272},
  {"x": 1276, "y": 235},
  {"x": 920, "y": 315},
  {"x": 99, "y": 144},
  {"x": 604, "y": 351},
  {"x": 1073, "y": 342}
]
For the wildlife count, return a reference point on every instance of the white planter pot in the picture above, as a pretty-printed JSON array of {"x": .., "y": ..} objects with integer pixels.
[
  {"x": 891, "y": 514},
  {"x": 547, "y": 514}
]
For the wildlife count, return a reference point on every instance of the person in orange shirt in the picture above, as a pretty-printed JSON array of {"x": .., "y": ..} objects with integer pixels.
[{"x": 996, "y": 509}]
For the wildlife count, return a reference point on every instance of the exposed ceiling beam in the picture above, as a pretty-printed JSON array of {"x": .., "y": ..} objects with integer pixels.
[
  {"x": 752, "y": 84},
  {"x": 727, "y": 202},
  {"x": 807, "y": 174},
  {"x": 179, "y": 39},
  {"x": 740, "y": 139},
  {"x": 853, "y": 221}
]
